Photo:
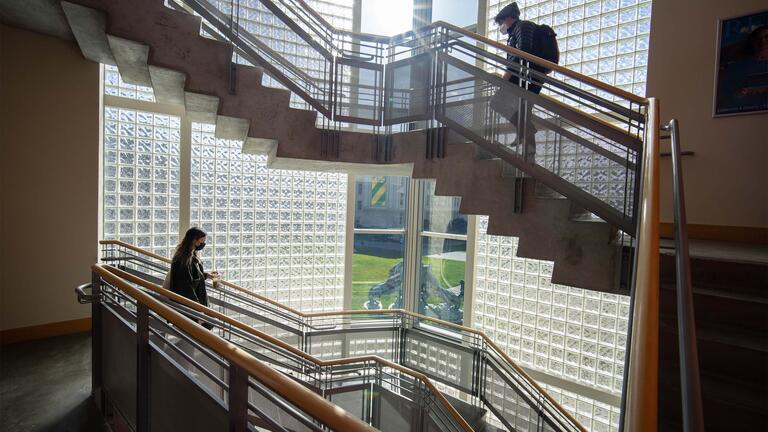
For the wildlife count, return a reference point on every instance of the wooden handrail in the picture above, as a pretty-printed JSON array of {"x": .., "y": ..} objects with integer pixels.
[
  {"x": 479, "y": 333},
  {"x": 197, "y": 306},
  {"x": 272, "y": 340},
  {"x": 546, "y": 63},
  {"x": 312, "y": 403},
  {"x": 223, "y": 282},
  {"x": 506, "y": 48},
  {"x": 642, "y": 379}
]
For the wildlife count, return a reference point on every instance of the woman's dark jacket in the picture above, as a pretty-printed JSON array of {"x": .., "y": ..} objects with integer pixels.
[{"x": 188, "y": 280}]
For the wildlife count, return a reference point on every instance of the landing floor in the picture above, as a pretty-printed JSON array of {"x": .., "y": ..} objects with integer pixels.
[{"x": 45, "y": 385}]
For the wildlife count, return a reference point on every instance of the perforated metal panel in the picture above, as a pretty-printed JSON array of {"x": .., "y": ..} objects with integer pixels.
[
  {"x": 407, "y": 88},
  {"x": 358, "y": 91}
]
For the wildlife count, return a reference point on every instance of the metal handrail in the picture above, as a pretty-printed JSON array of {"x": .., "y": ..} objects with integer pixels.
[
  {"x": 312, "y": 359},
  {"x": 308, "y": 317},
  {"x": 339, "y": 96},
  {"x": 437, "y": 26},
  {"x": 300, "y": 396},
  {"x": 693, "y": 411}
]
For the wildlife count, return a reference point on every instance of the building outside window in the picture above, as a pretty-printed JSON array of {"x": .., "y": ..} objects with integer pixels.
[
  {"x": 378, "y": 269},
  {"x": 443, "y": 256}
]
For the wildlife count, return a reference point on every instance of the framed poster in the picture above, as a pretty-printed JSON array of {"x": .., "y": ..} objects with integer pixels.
[{"x": 741, "y": 81}]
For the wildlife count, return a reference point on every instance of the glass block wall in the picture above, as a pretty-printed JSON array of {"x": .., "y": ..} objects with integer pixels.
[
  {"x": 277, "y": 232},
  {"x": 605, "y": 39},
  {"x": 575, "y": 334},
  {"x": 115, "y": 86},
  {"x": 260, "y": 21},
  {"x": 599, "y": 416},
  {"x": 141, "y": 179}
]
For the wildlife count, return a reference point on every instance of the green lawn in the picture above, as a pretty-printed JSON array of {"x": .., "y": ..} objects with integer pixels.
[
  {"x": 448, "y": 272},
  {"x": 369, "y": 270}
]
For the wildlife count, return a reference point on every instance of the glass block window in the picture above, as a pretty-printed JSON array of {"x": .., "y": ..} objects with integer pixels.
[
  {"x": 141, "y": 179},
  {"x": 254, "y": 17},
  {"x": 337, "y": 12},
  {"x": 279, "y": 233},
  {"x": 579, "y": 335},
  {"x": 595, "y": 415},
  {"x": 604, "y": 39},
  {"x": 115, "y": 86}
]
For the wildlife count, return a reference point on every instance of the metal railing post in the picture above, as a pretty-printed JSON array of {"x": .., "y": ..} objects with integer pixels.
[
  {"x": 693, "y": 412},
  {"x": 96, "y": 342},
  {"x": 238, "y": 399},
  {"x": 142, "y": 367}
]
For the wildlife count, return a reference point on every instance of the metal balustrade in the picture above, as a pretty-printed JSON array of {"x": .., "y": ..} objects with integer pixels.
[
  {"x": 460, "y": 358},
  {"x": 142, "y": 347},
  {"x": 579, "y": 136}
]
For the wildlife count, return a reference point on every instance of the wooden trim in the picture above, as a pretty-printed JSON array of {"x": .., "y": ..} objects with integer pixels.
[
  {"x": 43, "y": 331},
  {"x": 738, "y": 234},
  {"x": 641, "y": 385}
]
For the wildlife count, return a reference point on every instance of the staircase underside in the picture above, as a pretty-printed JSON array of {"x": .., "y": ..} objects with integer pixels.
[{"x": 159, "y": 47}]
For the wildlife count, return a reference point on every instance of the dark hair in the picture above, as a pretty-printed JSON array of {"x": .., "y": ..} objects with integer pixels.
[
  {"x": 185, "y": 251},
  {"x": 510, "y": 10},
  {"x": 753, "y": 39}
]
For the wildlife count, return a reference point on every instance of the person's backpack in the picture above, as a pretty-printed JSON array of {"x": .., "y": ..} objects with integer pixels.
[{"x": 545, "y": 44}]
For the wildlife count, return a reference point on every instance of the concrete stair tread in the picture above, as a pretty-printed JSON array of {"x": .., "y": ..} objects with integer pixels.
[
  {"x": 721, "y": 274},
  {"x": 474, "y": 415},
  {"x": 720, "y": 388},
  {"x": 726, "y": 335},
  {"x": 712, "y": 292}
]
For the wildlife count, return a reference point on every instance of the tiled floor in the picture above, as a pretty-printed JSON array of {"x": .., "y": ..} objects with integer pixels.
[{"x": 45, "y": 385}]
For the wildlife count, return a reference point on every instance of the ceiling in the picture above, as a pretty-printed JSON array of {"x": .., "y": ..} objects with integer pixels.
[{"x": 42, "y": 16}]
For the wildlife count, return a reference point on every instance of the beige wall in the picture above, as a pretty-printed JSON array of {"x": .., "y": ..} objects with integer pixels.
[
  {"x": 726, "y": 181},
  {"x": 49, "y": 150}
]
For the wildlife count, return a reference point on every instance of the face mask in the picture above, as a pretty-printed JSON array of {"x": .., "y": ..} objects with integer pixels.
[
  {"x": 503, "y": 28},
  {"x": 200, "y": 246}
]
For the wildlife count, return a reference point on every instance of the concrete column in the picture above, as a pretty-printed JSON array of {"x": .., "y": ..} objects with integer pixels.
[{"x": 185, "y": 172}]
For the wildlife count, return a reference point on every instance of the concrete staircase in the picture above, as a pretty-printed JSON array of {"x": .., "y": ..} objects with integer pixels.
[
  {"x": 549, "y": 227},
  {"x": 156, "y": 46},
  {"x": 731, "y": 307}
]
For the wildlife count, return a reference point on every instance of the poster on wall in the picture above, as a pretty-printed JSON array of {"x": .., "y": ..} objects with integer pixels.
[{"x": 742, "y": 74}]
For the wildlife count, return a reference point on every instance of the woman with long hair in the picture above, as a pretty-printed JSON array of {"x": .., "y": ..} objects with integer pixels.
[{"x": 187, "y": 274}]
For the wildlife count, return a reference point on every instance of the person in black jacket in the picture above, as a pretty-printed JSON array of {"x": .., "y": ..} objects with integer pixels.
[
  {"x": 520, "y": 35},
  {"x": 187, "y": 274}
]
